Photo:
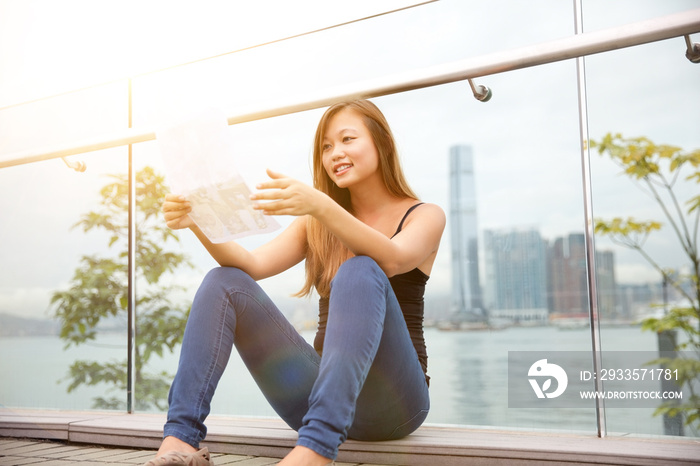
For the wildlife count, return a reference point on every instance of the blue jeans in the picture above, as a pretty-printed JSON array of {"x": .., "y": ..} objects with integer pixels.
[{"x": 368, "y": 385}]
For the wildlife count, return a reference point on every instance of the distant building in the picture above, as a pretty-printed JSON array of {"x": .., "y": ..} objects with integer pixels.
[
  {"x": 607, "y": 286},
  {"x": 567, "y": 283},
  {"x": 516, "y": 271},
  {"x": 466, "y": 289},
  {"x": 522, "y": 317},
  {"x": 635, "y": 300}
]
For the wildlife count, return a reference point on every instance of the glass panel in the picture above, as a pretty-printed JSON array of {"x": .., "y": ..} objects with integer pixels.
[
  {"x": 42, "y": 248},
  {"x": 658, "y": 101},
  {"x": 527, "y": 197}
]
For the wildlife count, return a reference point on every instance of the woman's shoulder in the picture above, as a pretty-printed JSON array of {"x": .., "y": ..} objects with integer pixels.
[
  {"x": 427, "y": 212},
  {"x": 428, "y": 208}
]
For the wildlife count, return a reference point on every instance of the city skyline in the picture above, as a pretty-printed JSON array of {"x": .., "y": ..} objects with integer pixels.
[{"x": 527, "y": 279}]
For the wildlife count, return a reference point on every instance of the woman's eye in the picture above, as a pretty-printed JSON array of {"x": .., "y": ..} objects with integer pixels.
[
  {"x": 347, "y": 139},
  {"x": 325, "y": 147}
]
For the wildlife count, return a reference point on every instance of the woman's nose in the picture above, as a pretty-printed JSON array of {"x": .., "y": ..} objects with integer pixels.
[{"x": 337, "y": 154}]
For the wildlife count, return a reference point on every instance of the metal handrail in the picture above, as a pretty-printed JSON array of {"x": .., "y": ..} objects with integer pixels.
[{"x": 642, "y": 32}]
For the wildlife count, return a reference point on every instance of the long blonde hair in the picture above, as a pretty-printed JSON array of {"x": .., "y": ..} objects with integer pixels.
[{"x": 325, "y": 253}]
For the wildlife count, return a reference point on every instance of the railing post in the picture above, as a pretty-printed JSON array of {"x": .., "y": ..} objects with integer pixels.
[
  {"x": 131, "y": 302},
  {"x": 594, "y": 312}
]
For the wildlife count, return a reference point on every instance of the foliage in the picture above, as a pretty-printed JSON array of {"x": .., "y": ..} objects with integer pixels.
[
  {"x": 98, "y": 291},
  {"x": 656, "y": 169}
]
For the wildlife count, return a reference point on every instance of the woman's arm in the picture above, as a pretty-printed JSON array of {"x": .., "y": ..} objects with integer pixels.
[
  {"x": 281, "y": 253},
  {"x": 417, "y": 242}
]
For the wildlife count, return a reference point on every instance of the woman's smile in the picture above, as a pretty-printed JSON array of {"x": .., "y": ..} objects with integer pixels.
[{"x": 341, "y": 169}]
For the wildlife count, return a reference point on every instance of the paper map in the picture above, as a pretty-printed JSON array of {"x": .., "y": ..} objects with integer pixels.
[{"x": 200, "y": 165}]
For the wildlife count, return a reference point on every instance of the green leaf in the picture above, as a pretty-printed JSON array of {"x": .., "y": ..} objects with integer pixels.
[{"x": 693, "y": 204}]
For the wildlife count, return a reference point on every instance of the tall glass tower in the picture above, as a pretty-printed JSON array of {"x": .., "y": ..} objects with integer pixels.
[
  {"x": 466, "y": 290},
  {"x": 516, "y": 270}
]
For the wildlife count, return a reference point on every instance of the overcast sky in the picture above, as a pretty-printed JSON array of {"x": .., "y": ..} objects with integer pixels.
[{"x": 525, "y": 140}]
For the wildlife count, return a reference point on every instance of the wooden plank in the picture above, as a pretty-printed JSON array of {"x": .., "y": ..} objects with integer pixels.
[
  {"x": 80, "y": 451},
  {"x": 102, "y": 453},
  {"x": 121, "y": 456},
  {"x": 7, "y": 444},
  {"x": 224, "y": 460},
  {"x": 33, "y": 449},
  {"x": 261, "y": 461},
  {"x": 11, "y": 444},
  {"x": 42, "y": 424},
  {"x": 434, "y": 445},
  {"x": 68, "y": 451},
  {"x": 55, "y": 463},
  {"x": 15, "y": 461}
]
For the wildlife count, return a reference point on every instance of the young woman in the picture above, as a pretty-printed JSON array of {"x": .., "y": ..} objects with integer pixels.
[{"x": 369, "y": 246}]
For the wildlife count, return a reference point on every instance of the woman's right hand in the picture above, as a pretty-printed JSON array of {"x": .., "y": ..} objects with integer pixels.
[{"x": 175, "y": 211}]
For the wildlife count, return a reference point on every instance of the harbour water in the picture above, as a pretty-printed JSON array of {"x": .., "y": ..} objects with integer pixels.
[{"x": 468, "y": 372}]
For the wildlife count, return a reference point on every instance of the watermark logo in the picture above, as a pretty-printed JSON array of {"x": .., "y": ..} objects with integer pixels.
[
  {"x": 566, "y": 379},
  {"x": 547, "y": 371}
]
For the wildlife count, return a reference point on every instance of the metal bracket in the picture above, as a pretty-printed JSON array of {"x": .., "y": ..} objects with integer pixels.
[
  {"x": 693, "y": 51},
  {"x": 481, "y": 93},
  {"x": 77, "y": 166}
]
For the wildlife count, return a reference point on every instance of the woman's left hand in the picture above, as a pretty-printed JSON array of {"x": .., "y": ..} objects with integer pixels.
[{"x": 287, "y": 196}]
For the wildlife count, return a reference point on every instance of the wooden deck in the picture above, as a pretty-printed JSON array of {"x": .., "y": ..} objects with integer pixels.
[
  {"x": 120, "y": 439},
  {"x": 54, "y": 453}
]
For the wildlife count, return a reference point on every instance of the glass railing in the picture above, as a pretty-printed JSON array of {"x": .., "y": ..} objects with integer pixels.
[
  {"x": 523, "y": 152},
  {"x": 629, "y": 103}
]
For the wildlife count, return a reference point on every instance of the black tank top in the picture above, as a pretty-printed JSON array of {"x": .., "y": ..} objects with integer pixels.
[{"x": 409, "y": 289}]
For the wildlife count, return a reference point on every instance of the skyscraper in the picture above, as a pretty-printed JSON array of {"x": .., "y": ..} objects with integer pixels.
[
  {"x": 516, "y": 270},
  {"x": 466, "y": 290}
]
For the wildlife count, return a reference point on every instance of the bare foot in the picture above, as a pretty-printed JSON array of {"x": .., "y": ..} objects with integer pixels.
[
  {"x": 302, "y": 456},
  {"x": 175, "y": 444}
]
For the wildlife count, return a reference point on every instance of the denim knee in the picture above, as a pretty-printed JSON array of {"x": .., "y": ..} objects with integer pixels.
[
  {"x": 225, "y": 276},
  {"x": 357, "y": 268}
]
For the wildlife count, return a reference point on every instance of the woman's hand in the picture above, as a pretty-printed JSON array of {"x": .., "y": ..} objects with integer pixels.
[
  {"x": 175, "y": 211},
  {"x": 287, "y": 196}
]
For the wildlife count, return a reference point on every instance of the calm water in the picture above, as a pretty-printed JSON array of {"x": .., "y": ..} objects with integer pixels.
[{"x": 468, "y": 378}]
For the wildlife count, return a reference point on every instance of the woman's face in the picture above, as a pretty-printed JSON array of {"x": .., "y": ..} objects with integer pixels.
[{"x": 348, "y": 151}]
